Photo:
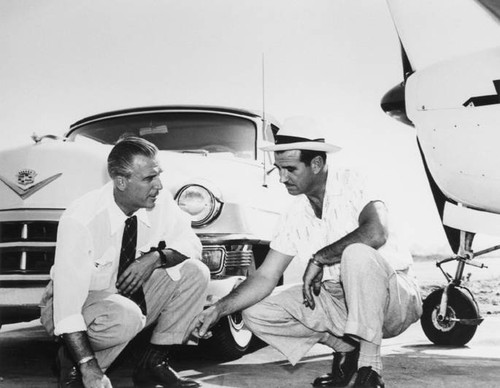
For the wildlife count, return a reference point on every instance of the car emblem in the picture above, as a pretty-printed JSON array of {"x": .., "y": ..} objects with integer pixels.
[{"x": 26, "y": 177}]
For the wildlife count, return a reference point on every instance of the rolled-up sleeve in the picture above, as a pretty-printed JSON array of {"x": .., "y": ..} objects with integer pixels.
[{"x": 71, "y": 275}]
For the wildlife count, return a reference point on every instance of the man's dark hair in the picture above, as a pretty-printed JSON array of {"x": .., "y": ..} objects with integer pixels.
[
  {"x": 306, "y": 156},
  {"x": 122, "y": 155}
]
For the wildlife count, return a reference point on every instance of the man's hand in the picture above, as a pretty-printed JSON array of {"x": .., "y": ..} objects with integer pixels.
[
  {"x": 78, "y": 345},
  {"x": 93, "y": 377},
  {"x": 312, "y": 283},
  {"x": 137, "y": 273},
  {"x": 203, "y": 322}
]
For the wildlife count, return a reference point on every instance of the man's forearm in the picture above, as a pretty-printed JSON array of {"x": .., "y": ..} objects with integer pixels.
[
  {"x": 365, "y": 234},
  {"x": 173, "y": 257},
  {"x": 251, "y": 291},
  {"x": 166, "y": 258},
  {"x": 78, "y": 345}
]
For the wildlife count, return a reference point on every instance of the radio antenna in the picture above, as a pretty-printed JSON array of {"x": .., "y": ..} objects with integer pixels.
[
  {"x": 263, "y": 88},
  {"x": 264, "y": 123}
]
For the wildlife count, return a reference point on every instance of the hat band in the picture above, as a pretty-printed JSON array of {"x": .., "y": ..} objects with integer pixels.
[{"x": 281, "y": 139}]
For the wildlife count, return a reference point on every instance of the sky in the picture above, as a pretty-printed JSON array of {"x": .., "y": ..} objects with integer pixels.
[{"x": 329, "y": 59}]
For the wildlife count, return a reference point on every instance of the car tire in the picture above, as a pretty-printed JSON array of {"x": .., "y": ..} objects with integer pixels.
[{"x": 230, "y": 339}]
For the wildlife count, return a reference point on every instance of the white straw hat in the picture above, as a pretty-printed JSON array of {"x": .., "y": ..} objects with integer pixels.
[{"x": 300, "y": 133}]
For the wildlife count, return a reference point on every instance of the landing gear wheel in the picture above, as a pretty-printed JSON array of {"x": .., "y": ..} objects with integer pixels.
[
  {"x": 461, "y": 305},
  {"x": 230, "y": 338}
]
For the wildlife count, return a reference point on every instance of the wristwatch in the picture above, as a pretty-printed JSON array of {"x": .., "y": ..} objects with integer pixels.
[
  {"x": 163, "y": 257},
  {"x": 316, "y": 262},
  {"x": 84, "y": 360}
]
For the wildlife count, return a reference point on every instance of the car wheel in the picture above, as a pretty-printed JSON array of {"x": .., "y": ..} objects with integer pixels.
[
  {"x": 230, "y": 338},
  {"x": 447, "y": 331}
]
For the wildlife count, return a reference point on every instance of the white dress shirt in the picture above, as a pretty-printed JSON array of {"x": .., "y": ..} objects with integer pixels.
[
  {"x": 88, "y": 248},
  {"x": 301, "y": 234}
]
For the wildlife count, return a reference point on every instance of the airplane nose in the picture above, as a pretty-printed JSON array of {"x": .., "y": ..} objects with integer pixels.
[{"x": 393, "y": 103}]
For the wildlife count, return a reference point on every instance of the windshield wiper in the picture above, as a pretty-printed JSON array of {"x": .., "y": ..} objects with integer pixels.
[{"x": 200, "y": 151}]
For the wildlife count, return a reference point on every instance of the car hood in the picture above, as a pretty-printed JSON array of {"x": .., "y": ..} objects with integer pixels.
[{"x": 51, "y": 174}]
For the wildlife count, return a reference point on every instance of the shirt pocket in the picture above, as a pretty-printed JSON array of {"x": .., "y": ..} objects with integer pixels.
[{"x": 102, "y": 270}]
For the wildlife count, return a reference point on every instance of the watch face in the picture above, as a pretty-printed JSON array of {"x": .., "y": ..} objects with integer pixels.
[{"x": 163, "y": 257}]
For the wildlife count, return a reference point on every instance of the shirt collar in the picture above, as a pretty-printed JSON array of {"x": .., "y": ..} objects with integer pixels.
[
  {"x": 116, "y": 216},
  {"x": 333, "y": 182},
  {"x": 307, "y": 204},
  {"x": 332, "y": 188}
]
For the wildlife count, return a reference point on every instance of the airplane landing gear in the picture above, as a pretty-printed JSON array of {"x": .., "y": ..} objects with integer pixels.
[
  {"x": 459, "y": 322},
  {"x": 451, "y": 314}
]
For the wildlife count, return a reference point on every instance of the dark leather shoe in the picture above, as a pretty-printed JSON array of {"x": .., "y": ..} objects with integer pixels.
[
  {"x": 344, "y": 366},
  {"x": 69, "y": 374},
  {"x": 161, "y": 376},
  {"x": 368, "y": 378}
]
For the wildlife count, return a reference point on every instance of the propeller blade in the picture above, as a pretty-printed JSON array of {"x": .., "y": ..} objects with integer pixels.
[{"x": 393, "y": 102}]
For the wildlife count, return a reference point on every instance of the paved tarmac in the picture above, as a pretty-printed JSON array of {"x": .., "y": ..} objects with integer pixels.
[{"x": 410, "y": 360}]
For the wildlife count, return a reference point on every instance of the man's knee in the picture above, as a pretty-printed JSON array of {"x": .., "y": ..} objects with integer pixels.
[
  {"x": 359, "y": 258},
  {"x": 118, "y": 322},
  {"x": 131, "y": 322},
  {"x": 259, "y": 314},
  {"x": 249, "y": 315},
  {"x": 356, "y": 253},
  {"x": 196, "y": 272}
]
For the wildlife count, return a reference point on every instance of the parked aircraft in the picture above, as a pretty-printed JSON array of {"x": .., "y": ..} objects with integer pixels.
[{"x": 451, "y": 94}]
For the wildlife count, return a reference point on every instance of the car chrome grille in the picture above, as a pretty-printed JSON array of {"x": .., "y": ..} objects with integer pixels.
[
  {"x": 27, "y": 247},
  {"x": 227, "y": 260},
  {"x": 20, "y": 231},
  {"x": 238, "y": 259}
]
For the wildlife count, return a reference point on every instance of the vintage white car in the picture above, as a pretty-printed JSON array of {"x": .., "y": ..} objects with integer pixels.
[{"x": 212, "y": 166}]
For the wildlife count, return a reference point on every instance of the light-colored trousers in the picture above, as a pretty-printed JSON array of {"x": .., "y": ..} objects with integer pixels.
[
  {"x": 113, "y": 320},
  {"x": 371, "y": 302}
]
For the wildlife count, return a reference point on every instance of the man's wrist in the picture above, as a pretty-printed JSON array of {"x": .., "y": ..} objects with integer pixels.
[
  {"x": 88, "y": 365},
  {"x": 85, "y": 360},
  {"x": 221, "y": 309},
  {"x": 160, "y": 258},
  {"x": 163, "y": 258},
  {"x": 316, "y": 262}
]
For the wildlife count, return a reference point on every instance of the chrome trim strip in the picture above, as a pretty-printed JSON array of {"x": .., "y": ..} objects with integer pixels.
[{"x": 25, "y": 193}]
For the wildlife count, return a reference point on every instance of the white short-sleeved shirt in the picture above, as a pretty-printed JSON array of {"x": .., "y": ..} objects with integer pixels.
[
  {"x": 89, "y": 242},
  {"x": 300, "y": 233}
]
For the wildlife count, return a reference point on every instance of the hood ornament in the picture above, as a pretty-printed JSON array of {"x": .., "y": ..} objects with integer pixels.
[
  {"x": 37, "y": 139},
  {"x": 27, "y": 177}
]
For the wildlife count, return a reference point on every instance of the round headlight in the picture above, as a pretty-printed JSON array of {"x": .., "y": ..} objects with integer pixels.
[{"x": 199, "y": 203}]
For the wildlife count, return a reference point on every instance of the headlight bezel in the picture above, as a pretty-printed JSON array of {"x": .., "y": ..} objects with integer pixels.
[{"x": 214, "y": 204}]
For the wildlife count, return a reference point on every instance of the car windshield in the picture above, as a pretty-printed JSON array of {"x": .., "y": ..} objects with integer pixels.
[{"x": 178, "y": 131}]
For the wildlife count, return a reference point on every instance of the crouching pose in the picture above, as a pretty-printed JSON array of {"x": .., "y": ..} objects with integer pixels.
[
  {"x": 358, "y": 285},
  {"x": 126, "y": 258}
]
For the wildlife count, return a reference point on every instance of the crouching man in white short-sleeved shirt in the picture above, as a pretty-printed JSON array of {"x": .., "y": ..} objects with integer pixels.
[{"x": 358, "y": 285}]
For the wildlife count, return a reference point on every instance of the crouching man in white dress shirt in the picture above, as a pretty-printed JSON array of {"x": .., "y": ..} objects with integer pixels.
[{"x": 126, "y": 258}]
